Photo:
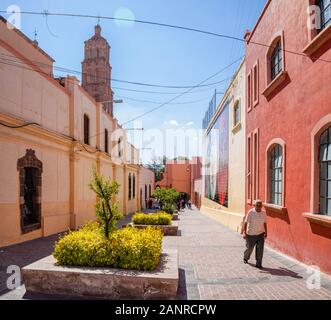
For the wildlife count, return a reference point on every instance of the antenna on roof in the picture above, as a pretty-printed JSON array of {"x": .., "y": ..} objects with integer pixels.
[{"x": 35, "y": 42}]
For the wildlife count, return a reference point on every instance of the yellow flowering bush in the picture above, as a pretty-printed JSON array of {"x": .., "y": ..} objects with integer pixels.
[
  {"x": 160, "y": 218},
  {"x": 127, "y": 248}
]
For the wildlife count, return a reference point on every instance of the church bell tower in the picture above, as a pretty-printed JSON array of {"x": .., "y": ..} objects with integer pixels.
[{"x": 96, "y": 69}]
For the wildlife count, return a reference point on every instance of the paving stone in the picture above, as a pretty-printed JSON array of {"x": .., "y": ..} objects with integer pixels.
[{"x": 210, "y": 266}]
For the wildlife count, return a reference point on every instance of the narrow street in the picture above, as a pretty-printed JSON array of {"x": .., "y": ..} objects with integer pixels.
[{"x": 210, "y": 266}]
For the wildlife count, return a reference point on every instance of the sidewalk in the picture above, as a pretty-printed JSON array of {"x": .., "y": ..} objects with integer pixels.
[
  {"x": 210, "y": 262},
  {"x": 211, "y": 267}
]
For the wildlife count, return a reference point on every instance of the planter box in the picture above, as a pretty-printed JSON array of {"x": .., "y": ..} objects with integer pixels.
[
  {"x": 169, "y": 230},
  {"x": 175, "y": 217},
  {"x": 45, "y": 277}
]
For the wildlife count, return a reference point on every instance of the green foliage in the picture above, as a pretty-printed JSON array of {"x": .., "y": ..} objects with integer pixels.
[
  {"x": 168, "y": 199},
  {"x": 128, "y": 248},
  {"x": 106, "y": 209},
  {"x": 161, "y": 219}
]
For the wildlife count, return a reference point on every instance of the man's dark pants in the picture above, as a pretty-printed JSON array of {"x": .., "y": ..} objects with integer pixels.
[{"x": 251, "y": 242}]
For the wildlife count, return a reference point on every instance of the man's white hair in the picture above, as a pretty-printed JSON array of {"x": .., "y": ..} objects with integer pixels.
[{"x": 258, "y": 201}]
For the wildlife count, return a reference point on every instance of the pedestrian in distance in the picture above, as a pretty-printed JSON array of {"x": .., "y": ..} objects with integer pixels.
[{"x": 255, "y": 232}]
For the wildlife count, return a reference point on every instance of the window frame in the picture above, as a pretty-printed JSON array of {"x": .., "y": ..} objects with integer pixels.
[
  {"x": 249, "y": 92},
  {"x": 249, "y": 188},
  {"x": 130, "y": 186},
  {"x": 276, "y": 60},
  {"x": 86, "y": 129},
  {"x": 272, "y": 144},
  {"x": 106, "y": 141},
  {"x": 133, "y": 186},
  {"x": 324, "y": 24},
  {"x": 256, "y": 86},
  {"x": 29, "y": 160},
  {"x": 327, "y": 178},
  {"x": 236, "y": 107},
  {"x": 275, "y": 169}
]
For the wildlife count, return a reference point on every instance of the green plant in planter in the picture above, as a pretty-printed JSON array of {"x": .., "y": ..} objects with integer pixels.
[
  {"x": 127, "y": 248},
  {"x": 154, "y": 219},
  {"x": 106, "y": 208},
  {"x": 168, "y": 198}
]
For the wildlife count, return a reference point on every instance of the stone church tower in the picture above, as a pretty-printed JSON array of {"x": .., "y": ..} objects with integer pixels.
[{"x": 96, "y": 78}]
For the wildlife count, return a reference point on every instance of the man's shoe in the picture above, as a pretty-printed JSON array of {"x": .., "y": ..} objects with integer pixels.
[
  {"x": 245, "y": 261},
  {"x": 259, "y": 267}
]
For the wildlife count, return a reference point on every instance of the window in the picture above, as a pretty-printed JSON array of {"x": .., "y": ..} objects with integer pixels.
[
  {"x": 130, "y": 186},
  {"x": 119, "y": 150},
  {"x": 134, "y": 187},
  {"x": 150, "y": 190},
  {"x": 146, "y": 195},
  {"x": 325, "y": 173},
  {"x": 236, "y": 114},
  {"x": 249, "y": 92},
  {"x": 325, "y": 6},
  {"x": 249, "y": 169},
  {"x": 30, "y": 170},
  {"x": 276, "y": 175},
  {"x": 276, "y": 63},
  {"x": 255, "y": 179},
  {"x": 86, "y": 129},
  {"x": 256, "y": 84},
  {"x": 106, "y": 141}
]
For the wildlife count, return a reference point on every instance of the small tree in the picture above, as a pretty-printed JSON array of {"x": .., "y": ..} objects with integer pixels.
[
  {"x": 168, "y": 198},
  {"x": 106, "y": 208}
]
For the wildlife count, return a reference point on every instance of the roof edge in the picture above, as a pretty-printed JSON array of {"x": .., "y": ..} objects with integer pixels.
[{"x": 26, "y": 38}]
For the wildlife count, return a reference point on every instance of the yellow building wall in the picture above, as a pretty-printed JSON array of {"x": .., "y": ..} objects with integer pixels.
[
  {"x": 29, "y": 96},
  {"x": 55, "y": 212}
]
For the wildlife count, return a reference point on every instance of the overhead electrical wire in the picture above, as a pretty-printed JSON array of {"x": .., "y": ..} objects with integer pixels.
[
  {"x": 183, "y": 93},
  {"x": 62, "y": 69},
  {"x": 159, "y": 24},
  {"x": 151, "y": 110}
]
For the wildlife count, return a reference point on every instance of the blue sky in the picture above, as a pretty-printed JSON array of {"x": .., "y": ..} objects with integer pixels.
[{"x": 150, "y": 54}]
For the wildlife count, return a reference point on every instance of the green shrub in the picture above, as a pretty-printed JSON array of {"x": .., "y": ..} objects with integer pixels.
[
  {"x": 153, "y": 219},
  {"x": 128, "y": 248}
]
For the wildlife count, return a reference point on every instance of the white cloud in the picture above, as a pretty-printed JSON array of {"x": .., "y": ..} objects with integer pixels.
[
  {"x": 190, "y": 123},
  {"x": 171, "y": 123}
]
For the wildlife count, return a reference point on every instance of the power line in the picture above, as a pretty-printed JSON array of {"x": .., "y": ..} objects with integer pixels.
[
  {"x": 158, "y": 92},
  {"x": 183, "y": 93},
  {"x": 148, "y": 112},
  {"x": 154, "y": 102},
  {"x": 62, "y": 69},
  {"x": 159, "y": 24}
]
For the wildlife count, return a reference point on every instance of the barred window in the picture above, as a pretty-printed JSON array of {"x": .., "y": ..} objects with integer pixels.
[
  {"x": 325, "y": 6},
  {"x": 86, "y": 129},
  {"x": 106, "y": 141},
  {"x": 276, "y": 175},
  {"x": 276, "y": 63},
  {"x": 134, "y": 187},
  {"x": 325, "y": 172},
  {"x": 130, "y": 186}
]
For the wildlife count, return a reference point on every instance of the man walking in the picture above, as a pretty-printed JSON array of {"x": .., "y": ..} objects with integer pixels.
[{"x": 255, "y": 232}]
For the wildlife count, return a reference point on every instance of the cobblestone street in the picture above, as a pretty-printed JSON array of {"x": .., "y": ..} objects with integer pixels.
[{"x": 210, "y": 262}]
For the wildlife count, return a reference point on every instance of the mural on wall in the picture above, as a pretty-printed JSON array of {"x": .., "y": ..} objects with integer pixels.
[{"x": 217, "y": 156}]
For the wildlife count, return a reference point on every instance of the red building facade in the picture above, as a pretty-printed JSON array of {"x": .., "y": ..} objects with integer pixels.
[{"x": 288, "y": 126}]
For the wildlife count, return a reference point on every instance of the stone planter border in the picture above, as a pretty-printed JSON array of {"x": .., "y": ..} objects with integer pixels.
[
  {"x": 168, "y": 230},
  {"x": 45, "y": 277}
]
